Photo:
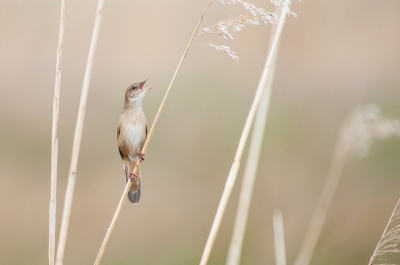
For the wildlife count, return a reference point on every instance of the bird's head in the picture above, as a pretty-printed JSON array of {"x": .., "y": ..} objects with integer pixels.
[{"x": 134, "y": 93}]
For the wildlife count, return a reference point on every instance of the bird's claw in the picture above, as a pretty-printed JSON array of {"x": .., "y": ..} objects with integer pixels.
[
  {"x": 141, "y": 157},
  {"x": 133, "y": 177}
]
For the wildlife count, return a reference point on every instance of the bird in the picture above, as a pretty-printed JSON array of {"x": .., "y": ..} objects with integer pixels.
[{"x": 131, "y": 135}]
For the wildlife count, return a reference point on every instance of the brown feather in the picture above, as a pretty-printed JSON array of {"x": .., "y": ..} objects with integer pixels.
[{"x": 131, "y": 135}]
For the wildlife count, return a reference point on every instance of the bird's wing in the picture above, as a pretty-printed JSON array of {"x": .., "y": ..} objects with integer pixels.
[{"x": 119, "y": 149}]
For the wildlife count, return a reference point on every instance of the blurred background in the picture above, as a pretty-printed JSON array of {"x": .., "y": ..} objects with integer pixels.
[{"x": 335, "y": 56}]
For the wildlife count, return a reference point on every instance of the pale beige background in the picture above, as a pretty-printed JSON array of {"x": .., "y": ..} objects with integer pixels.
[{"x": 333, "y": 57}]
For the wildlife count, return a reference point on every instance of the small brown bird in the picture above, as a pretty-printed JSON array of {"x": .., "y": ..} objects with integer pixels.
[{"x": 131, "y": 135}]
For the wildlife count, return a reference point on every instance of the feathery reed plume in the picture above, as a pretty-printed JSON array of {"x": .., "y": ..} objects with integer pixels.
[
  {"x": 54, "y": 140},
  {"x": 235, "y": 247},
  {"x": 146, "y": 143},
  {"x": 237, "y": 24},
  {"x": 259, "y": 16},
  {"x": 279, "y": 238},
  {"x": 78, "y": 136},
  {"x": 363, "y": 125},
  {"x": 280, "y": 4},
  {"x": 390, "y": 240},
  {"x": 254, "y": 10},
  {"x": 224, "y": 49},
  {"x": 245, "y": 133}
]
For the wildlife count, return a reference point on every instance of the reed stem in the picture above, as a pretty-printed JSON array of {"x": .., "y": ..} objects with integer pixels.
[
  {"x": 319, "y": 216},
  {"x": 250, "y": 171},
  {"x": 146, "y": 143},
  {"x": 54, "y": 138},
  {"x": 69, "y": 194},
  {"x": 279, "y": 238},
  {"x": 245, "y": 133}
]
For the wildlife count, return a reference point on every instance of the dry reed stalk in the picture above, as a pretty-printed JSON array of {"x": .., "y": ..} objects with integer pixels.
[
  {"x": 363, "y": 125},
  {"x": 389, "y": 241},
  {"x": 54, "y": 138},
  {"x": 78, "y": 136},
  {"x": 279, "y": 238},
  {"x": 250, "y": 171},
  {"x": 146, "y": 143},
  {"x": 245, "y": 133},
  {"x": 319, "y": 215}
]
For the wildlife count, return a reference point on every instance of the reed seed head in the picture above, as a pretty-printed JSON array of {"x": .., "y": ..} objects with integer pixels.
[{"x": 364, "y": 125}]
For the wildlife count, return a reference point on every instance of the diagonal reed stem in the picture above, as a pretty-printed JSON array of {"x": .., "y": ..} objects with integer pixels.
[
  {"x": 319, "y": 216},
  {"x": 69, "y": 194},
  {"x": 250, "y": 171},
  {"x": 146, "y": 143},
  {"x": 245, "y": 133},
  {"x": 54, "y": 139}
]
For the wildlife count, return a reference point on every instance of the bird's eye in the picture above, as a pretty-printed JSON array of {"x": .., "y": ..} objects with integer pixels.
[{"x": 134, "y": 88}]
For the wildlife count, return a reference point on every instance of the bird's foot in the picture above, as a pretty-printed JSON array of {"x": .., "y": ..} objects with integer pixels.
[
  {"x": 133, "y": 177},
  {"x": 141, "y": 157}
]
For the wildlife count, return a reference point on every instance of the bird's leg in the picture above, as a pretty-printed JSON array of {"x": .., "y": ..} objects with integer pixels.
[
  {"x": 128, "y": 168},
  {"x": 141, "y": 156},
  {"x": 132, "y": 175}
]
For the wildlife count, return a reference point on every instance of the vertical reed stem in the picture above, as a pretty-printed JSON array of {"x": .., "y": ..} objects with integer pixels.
[
  {"x": 54, "y": 138},
  {"x": 279, "y": 236},
  {"x": 246, "y": 191},
  {"x": 69, "y": 194},
  {"x": 245, "y": 133}
]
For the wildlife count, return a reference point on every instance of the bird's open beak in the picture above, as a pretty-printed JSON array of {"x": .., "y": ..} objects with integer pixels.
[{"x": 142, "y": 84}]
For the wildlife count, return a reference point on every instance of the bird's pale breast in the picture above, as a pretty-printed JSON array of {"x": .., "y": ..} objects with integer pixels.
[{"x": 132, "y": 137}]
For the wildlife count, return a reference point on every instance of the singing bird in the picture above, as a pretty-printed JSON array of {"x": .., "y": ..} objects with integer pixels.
[{"x": 131, "y": 135}]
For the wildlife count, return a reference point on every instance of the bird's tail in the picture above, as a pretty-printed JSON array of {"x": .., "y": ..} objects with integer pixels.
[
  {"x": 134, "y": 191},
  {"x": 134, "y": 195}
]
